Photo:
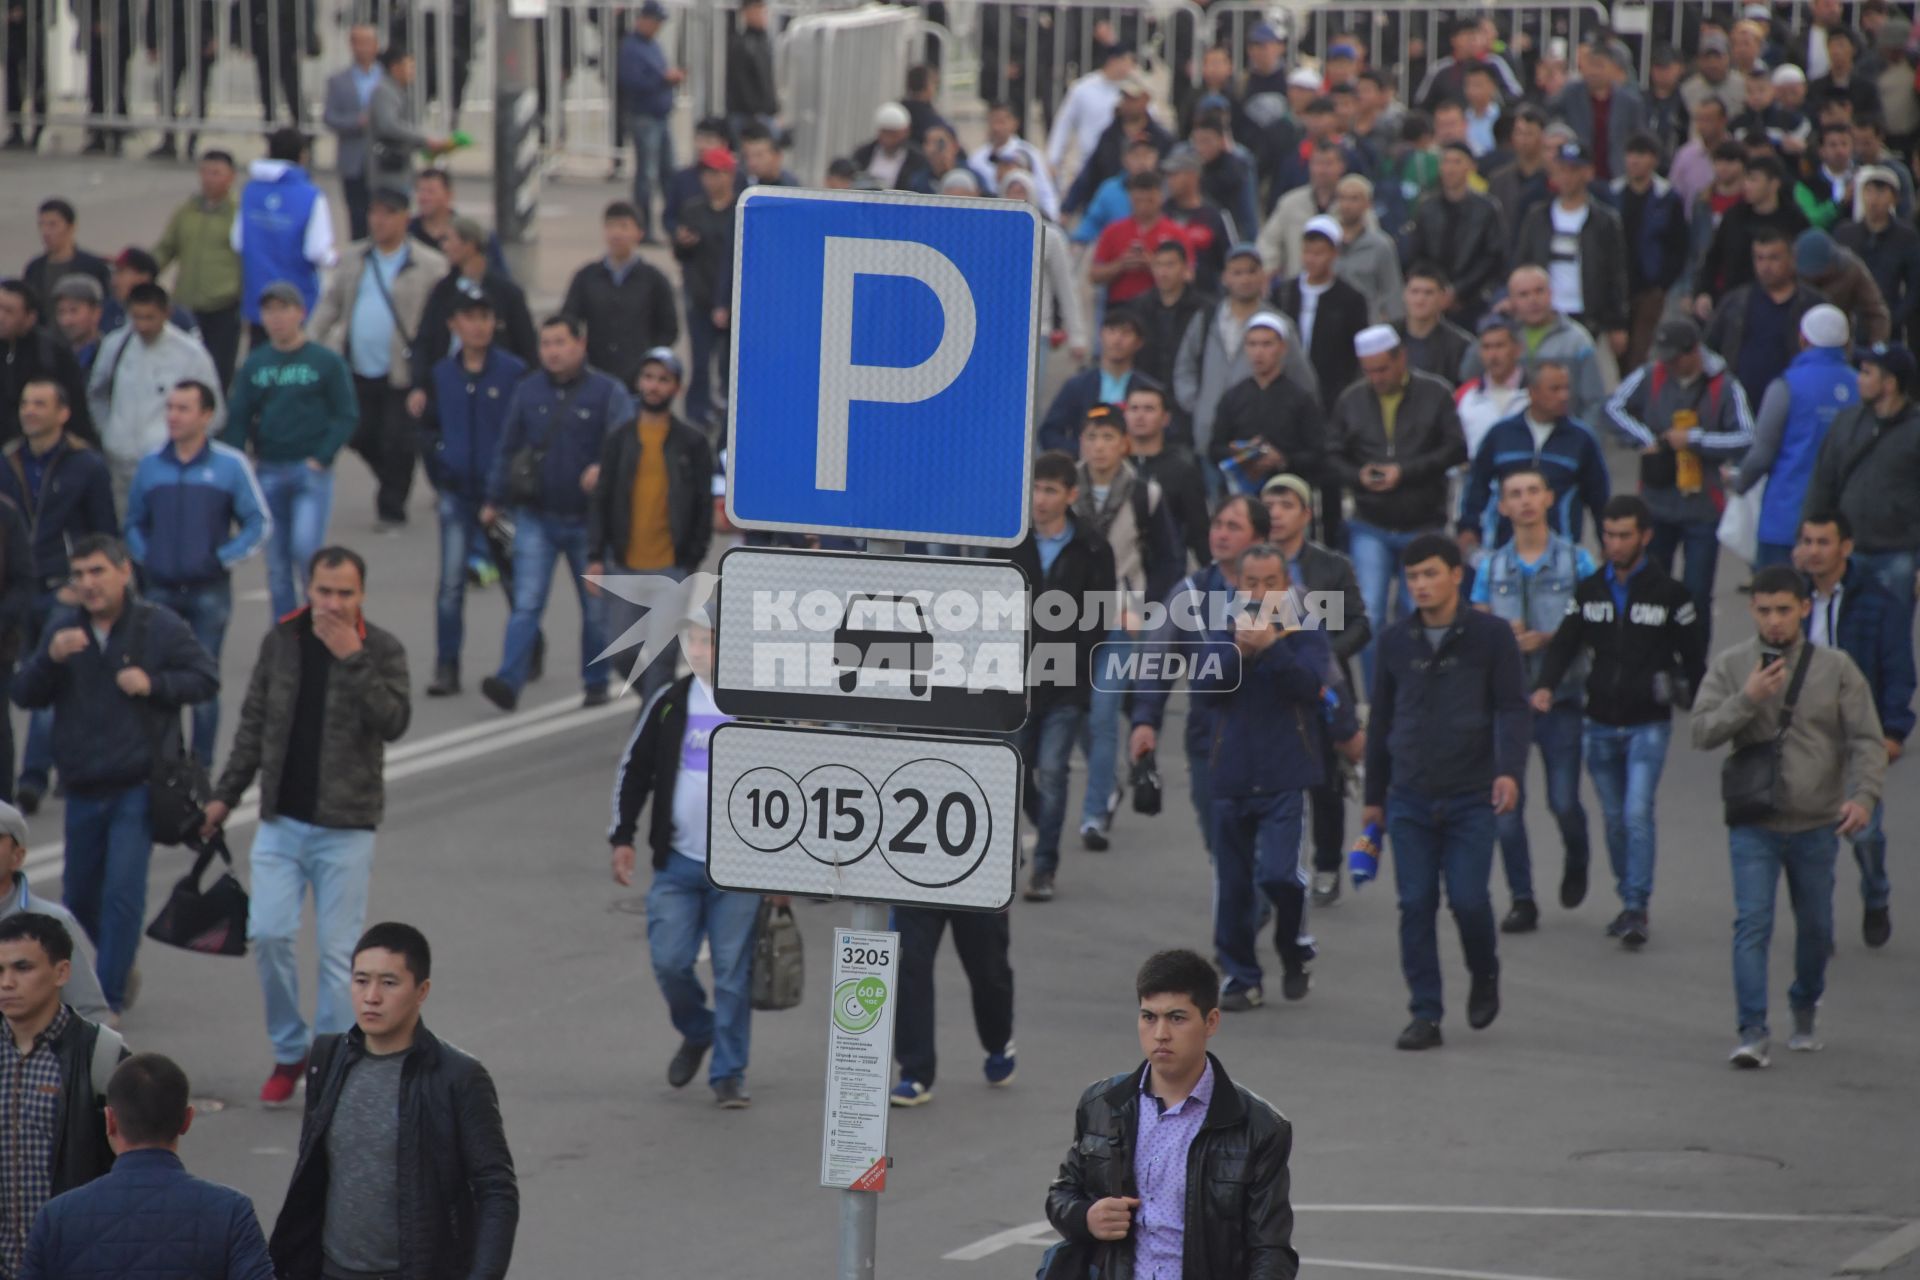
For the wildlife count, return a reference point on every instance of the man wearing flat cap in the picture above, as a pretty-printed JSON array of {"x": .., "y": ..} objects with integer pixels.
[{"x": 1889, "y": 247}]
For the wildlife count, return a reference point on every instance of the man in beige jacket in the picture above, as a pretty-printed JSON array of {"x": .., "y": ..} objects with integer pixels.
[
  {"x": 370, "y": 314},
  {"x": 1831, "y": 760}
]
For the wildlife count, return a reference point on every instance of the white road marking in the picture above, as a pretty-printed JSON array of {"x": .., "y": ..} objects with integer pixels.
[
  {"x": 1042, "y": 1235},
  {"x": 1883, "y": 1253},
  {"x": 409, "y": 759}
]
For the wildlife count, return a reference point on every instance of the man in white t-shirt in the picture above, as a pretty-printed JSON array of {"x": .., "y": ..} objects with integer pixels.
[
  {"x": 666, "y": 758},
  {"x": 1583, "y": 247}
]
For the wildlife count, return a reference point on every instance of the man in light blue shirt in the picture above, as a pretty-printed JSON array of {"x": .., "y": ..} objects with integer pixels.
[
  {"x": 348, "y": 101},
  {"x": 1483, "y": 110}
]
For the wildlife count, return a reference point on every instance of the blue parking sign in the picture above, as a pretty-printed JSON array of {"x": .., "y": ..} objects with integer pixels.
[{"x": 884, "y": 362}]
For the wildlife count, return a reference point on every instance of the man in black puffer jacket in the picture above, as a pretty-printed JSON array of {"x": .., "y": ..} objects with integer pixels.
[
  {"x": 434, "y": 1199},
  {"x": 1123, "y": 1213}
]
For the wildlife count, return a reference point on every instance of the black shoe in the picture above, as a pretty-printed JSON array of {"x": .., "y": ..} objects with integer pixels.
[
  {"x": 27, "y": 797},
  {"x": 1876, "y": 926},
  {"x": 731, "y": 1095},
  {"x": 1619, "y": 926},
  {"x": 597, "y": 696},
  {"x": 686, "y": 1063},
  {"x": 1040, "y": 887},
  {"x": 1094, "y": 839},
  {"x": 1634, "y": 935},
  {"x": 1242, "y": 999},
  {"x": 1483, "y": 1002},
  {"x": 537, "y": 664},
  {"x": 1573, "y": 884},
  {"x": 165, "y": 151},
  {"x": 16, "y": 141},
  {"x": 96, "y": 145},
  {"x": 1420, "y": 1034},
  {"x": 1296, "y": 982},
  {"x": 499, "y": 693},
  {"x": 1524, "y": 918},
  {"x": 446, "y": 681}
]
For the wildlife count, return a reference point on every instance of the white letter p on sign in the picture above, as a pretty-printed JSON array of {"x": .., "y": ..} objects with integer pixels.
[{"x": 842, "y": 382}]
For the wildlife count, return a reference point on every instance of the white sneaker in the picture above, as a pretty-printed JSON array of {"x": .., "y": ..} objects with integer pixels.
[
  {"x": 1803, "y": 1039},
  {"x": 1326, "y": 888},
  {"x": 1751, "y": 1053}
]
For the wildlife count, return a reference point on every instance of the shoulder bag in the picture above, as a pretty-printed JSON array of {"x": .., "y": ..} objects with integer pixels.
[
  {"x": 526, "y": 469},
  {"x": 1750, "y": 777}
]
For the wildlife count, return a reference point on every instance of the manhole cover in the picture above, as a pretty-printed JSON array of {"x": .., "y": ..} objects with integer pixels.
[
  {"x": 1678, "y": 1161},
  {"x": 208, "y": 1106}
]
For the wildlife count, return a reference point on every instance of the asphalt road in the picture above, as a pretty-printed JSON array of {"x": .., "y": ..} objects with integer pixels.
[{"x": 1594, "y": 1132}]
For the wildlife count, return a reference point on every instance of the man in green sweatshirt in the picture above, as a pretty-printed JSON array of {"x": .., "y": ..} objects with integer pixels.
[
  {"x": 199, "y": 237},
  {"x": 291, "y": 409}
]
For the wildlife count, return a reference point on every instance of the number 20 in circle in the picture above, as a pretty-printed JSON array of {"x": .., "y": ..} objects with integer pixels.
[{"x": 935, "y": 826}]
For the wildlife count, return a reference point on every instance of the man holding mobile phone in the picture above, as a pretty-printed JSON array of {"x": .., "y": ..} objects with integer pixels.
[{"x": 1816, "y": 708}]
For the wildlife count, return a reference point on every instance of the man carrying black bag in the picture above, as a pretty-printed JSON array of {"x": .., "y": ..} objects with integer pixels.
[
  {"x": 115, "y": 670},
  {"x": 1807, "y": 765}
]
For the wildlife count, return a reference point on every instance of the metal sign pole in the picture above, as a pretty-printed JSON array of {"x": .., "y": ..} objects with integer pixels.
[
  {"x": 516, "y": 135},
  {"x": 860, "y": 1210}
]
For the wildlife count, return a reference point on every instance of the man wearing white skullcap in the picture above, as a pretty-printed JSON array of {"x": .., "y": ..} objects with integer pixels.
[
  {"x": 1793, "y": 419},
  {"x": 891, "y": 157},
  {"x": 1392, "y": 438}
]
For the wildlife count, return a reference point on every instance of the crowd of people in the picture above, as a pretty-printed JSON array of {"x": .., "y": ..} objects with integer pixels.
[{"x": 1319, "y": 341}]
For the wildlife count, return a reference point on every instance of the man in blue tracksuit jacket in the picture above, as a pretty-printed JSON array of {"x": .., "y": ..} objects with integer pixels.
[
  {"x": 1264, "y": 679},
  {"x": 550, "y": 443},
  {"x": 1541, "y": 437},
  {"x": 1446, "y": 745},
  {"x": 1852, "y": 612},
  {"x": 469, "y": 393},
  {"x": 194, "y": 511}
]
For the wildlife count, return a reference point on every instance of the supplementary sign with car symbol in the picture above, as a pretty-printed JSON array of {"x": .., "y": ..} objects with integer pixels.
[
  {"x": 916, "y": 641},
  {"x": 880, "y": 817},
  {"x": 884, "y": 355}
]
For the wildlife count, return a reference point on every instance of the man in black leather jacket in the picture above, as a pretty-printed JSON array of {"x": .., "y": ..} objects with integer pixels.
[
  {"x": 433, "y": 1198},
  {"x": 1174, "y": 1168}
]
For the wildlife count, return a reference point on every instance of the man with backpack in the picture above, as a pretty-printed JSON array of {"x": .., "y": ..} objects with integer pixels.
[{"x": 116, "y": 671}]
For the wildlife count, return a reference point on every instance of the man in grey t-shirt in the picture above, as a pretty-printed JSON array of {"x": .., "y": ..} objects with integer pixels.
[{"x": 354, "y": 1186}]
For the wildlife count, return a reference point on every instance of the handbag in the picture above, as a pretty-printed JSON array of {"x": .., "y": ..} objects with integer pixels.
[
  {"x": 1739, "y": 528},
  {"x": 779, "y": 966},
  {"x": 526, "y": 468},
  {"x": 177, "y": 785},
  {"x": 1750, "y": 777},
  {"x": 212, "y": 921}
]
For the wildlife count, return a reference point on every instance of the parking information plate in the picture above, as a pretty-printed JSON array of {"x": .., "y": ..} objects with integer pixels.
[
  {"x": 878, "y": 817},
  {"x": 917, "y": 641},
  {"x": 853, "y": 1143}
]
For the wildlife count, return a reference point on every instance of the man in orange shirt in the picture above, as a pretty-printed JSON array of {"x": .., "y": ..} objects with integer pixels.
[{"x": 652, "y": 511}]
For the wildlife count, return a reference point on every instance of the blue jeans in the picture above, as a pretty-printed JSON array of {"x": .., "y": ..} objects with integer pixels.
[
  {"x": 1772, "y": 553},
  {"x": 104, "y": 882},
  {"x": 1257, "y": 843},
  {"x": 460, "y": 537},
  {"x": 652, "y": 163},
  {"x": 288, "y": 857},
  {"x": 538, "y": 543},
  {"x": 205, "y": 608},
  {"x": 1447, "y": 839},
  {"x": 1046, "y": 748},
  {"x": 1376, "y": 562},
  {"x": 300, "y": 499},
  {"x": 1759, "y": 856},
  {"x": 1099, "y": 738},
  {"x": 1625, "y": 762},
  {"x": 1557, "y": 734},
  {"x": 1870, "y": 851},
  {"x": 1892, "y": 569},
  {"x": 36, "y": 763},
  {"x": 1200, "y": 793},
  {"x": 683, "y": 907},
  {"x": 1699, "y": 540}
]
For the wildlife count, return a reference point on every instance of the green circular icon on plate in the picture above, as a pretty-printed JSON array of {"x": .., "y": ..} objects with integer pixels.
[{"x": 857, "y": 1003}]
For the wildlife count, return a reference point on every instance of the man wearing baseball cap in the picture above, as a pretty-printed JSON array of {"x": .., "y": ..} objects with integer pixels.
[
  {"x": 1869, "y": 469},
  {"x": 16, "y": 895},
  {"x": 1583, "y": 248},
  {"x": 652, "y": 512},
  {"x": 1889, "y": 247},
  {"x": 1795, "y": 414}
]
